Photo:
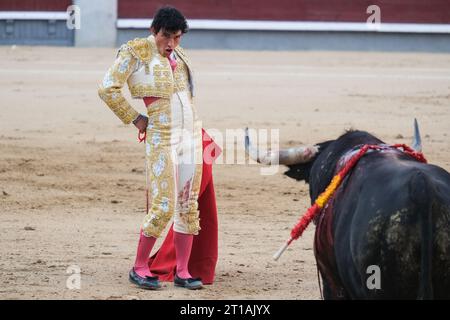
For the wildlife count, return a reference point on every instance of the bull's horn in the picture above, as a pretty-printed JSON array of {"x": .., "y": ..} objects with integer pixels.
[
  {"x": 289, "y": 156},
  {"x": 417, "y": 141}
]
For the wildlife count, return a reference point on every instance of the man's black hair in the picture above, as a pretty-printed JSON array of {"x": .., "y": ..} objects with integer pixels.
[{"x": 169, "y": 19}]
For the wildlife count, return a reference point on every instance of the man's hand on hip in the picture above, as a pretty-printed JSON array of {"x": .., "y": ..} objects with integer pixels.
[{"x": 141, "y": 123}]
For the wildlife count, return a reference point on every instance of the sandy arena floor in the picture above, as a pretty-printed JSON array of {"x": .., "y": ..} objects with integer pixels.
[{"x": 71, "y": 175}]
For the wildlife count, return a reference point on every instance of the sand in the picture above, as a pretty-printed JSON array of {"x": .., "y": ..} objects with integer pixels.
[{"x": 71, "y": 175}]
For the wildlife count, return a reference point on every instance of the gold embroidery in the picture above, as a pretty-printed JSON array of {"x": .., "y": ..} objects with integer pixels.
[
  {"x": 190, "y": 75},
  {"x": 181, "y": 76},
  {"x": 141, "y": 91},
  {"x": 140, "y": 48},
  {"x": 182, "y": 54},
  {"x": 110, "y": 90},
  {"x": 193, "y": 221},
  {"x": 163, "y": 78},
  {"x": 189, "y": 212},
  {"x": 155, "y": 110},
  {"x": 135, "y": 58},
  {"x": 164, "y": 196},
  {"x": 163, "y": 203},
  {"x": 160, "y": 169},
  {"x": 120, "y": 107},
  {"x": 162, "y": 84}
]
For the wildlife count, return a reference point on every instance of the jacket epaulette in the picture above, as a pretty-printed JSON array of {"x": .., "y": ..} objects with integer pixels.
[{"x": 140, "y": 48}]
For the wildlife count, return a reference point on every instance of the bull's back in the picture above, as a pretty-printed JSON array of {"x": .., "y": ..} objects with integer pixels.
[{"x": 381, "y": 216}]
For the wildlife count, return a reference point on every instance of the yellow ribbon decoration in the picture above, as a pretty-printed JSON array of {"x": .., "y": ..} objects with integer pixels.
[{"x": 323, "y": 198}]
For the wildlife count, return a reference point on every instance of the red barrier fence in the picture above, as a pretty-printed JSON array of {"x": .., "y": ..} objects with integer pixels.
[
  {"x": 34, "y": 5},
  {"x": 401, "y": 11}
]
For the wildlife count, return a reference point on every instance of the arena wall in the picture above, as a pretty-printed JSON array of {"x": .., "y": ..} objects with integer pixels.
[{"x": 405, "y": 25}]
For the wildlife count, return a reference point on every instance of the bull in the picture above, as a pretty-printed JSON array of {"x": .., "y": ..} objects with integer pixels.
[{"x": 390, "y": 214}]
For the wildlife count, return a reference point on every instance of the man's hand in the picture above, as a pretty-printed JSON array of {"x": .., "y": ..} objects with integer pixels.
[{"x": 141, "y": 123}]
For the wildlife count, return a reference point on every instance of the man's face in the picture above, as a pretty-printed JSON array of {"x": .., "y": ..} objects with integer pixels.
[{"x": 166, "y": 42}]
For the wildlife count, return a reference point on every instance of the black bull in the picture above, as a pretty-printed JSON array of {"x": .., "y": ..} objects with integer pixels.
[{"x": 391, "y": 212}]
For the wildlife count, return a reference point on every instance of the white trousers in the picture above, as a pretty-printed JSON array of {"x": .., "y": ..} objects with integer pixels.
[{"x": 173, "y": 165}]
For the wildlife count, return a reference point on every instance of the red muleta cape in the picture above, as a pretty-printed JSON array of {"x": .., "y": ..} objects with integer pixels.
[{"x": 203, "y": 260}]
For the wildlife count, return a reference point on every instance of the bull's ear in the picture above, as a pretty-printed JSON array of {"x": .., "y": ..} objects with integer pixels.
[{"x": 302, "y": 171}]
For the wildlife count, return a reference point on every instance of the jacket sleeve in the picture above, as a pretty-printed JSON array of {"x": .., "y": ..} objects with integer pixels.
[{"x": 110, "y": 90}]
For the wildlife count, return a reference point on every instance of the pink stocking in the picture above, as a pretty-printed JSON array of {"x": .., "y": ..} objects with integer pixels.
[
  {"x": 143, "y": 251},
  {"x": 183, "y": 246}
]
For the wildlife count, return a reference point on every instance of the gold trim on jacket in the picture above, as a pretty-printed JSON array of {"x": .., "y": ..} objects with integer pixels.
[{"x": 147, "y": 73}]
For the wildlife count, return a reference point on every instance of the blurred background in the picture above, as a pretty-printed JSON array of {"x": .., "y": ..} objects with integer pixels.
[{"x": 381, "y": 25}]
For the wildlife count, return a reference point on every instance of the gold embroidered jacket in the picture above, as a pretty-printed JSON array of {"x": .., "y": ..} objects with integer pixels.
[{"x": 147, "y": 73}]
